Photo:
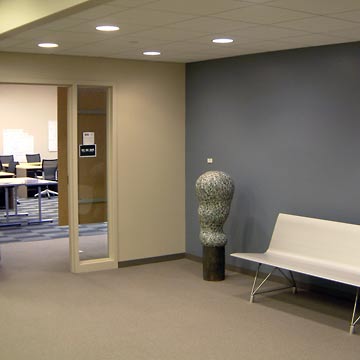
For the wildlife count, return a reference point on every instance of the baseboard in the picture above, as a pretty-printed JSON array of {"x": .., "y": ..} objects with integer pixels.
[
  {"x": 193, "y": 257},
  {"x": 233, "y": 268},
  {"x": 328, "y": 288},
  {"x": 150, "y": 260}
]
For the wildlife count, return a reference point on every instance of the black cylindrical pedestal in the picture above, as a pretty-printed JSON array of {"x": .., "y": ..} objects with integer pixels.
[{"x": 214, "y": 263}]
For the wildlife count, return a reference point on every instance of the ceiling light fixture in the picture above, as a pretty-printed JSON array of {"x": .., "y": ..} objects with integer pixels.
[
  {"x": 222, "y": 41},
  {"x": 152, "y": 53},
  {"x": 107, "y": 28},
  {"x": 48, "y": 45}
]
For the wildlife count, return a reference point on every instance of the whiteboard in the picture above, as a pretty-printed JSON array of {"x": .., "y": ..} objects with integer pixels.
[{"x": 18, "y": 143}]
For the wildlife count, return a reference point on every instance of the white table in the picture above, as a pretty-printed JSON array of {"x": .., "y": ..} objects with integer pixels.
[
  {"x": 14, "y": 183},
  {"x": 27, "y": 170},
  {"x": 5, "y": 174}
]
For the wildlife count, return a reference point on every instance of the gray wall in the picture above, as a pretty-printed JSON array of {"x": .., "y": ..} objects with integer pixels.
[{"x": 286, "y": 127}]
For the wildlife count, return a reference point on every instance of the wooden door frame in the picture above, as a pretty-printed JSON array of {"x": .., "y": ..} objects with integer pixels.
[{"x": 111, "y": 262}]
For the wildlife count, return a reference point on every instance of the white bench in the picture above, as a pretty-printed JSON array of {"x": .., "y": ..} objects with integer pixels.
[{"x": 321, "y": 248}]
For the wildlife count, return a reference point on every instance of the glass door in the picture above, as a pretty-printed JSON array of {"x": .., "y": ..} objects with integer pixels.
[
  {"x": 93, "y": 240},
  {"x": 92, "y": 173}
]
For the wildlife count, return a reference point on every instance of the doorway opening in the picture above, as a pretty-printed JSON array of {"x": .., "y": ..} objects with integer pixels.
[
  {"x": 28, "y": 139},
  {"x": 35, "y": 120}
]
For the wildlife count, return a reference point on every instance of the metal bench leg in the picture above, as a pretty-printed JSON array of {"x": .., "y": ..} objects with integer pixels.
[
  {"x": 294, "y": 290},
  {"x": 353, "y": 321},
  {"x": 253, "y": 287},
  {"x": 291, "y": 280},
  {"x": 256, "y": 289}
]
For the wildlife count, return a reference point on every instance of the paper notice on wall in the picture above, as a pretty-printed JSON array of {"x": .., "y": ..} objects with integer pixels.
[
  {"x": 52, "y": 127},
  {"x": 88, "y": 138},
  {"x": 18, "y": 143}
]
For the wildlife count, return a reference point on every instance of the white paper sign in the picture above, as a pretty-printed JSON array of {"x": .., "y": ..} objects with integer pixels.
[{"x": 88, "y": 138}]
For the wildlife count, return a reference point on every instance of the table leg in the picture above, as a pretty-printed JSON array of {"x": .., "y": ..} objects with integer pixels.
[
  {"x": 8, "y": 223},
  {"x": 40, "y": 219},
  {"x": 16, "y": 213}
]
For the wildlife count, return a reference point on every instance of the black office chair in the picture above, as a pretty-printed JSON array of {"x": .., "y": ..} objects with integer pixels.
[
  {"x": 33, "y": 158},
  {"x": 49, "y": 172},
  {"x": 6, "y": 159},
  {"x": 12, "y": 167}
]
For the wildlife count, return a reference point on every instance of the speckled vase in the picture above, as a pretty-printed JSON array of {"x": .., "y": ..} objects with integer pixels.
[{"x": 214, "y": 190}]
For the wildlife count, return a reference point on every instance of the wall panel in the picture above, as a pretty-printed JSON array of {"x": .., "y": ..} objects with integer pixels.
[
  {"x": 285, "y": 126},
  {"x": 149, "y": 98}
]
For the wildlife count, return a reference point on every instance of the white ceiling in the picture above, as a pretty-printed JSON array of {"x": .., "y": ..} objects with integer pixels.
[{"x": 183, "y": 29}]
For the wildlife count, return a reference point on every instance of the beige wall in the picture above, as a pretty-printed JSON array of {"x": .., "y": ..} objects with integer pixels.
[
  {"x": 29, "y": 108},
  {"x": 150, "y": 117}
]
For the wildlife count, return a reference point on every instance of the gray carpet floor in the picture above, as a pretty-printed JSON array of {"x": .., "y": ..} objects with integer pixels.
[
  {"x": 162, "y": 311},
  {"x": 44, "y": 231}
]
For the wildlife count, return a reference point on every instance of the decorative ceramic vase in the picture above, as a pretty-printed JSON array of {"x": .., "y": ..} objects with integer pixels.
[{"x": 214, "y": 190}]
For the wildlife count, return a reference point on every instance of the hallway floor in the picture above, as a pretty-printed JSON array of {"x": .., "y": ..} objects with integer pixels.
[{"x": 162, "y": 311}]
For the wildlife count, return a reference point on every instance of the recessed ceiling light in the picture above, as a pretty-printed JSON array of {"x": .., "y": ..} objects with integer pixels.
[
  {"x": 152, "y": 53},
  {"x": 222, "y": 41},
  {"x": 107, "y": 28},
  {"x": 48, "y": 45}
]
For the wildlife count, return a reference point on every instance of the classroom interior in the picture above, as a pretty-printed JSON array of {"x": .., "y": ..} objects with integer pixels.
[
  {"x": 282, "y": 121},
  {"x": 32, "y": 143}
]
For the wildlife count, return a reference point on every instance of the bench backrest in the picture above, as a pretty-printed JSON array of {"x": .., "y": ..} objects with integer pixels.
[{"x": 318, "y": 239}]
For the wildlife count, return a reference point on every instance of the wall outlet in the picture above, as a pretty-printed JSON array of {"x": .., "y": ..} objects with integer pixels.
[{"x": 209, "y": 160}]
